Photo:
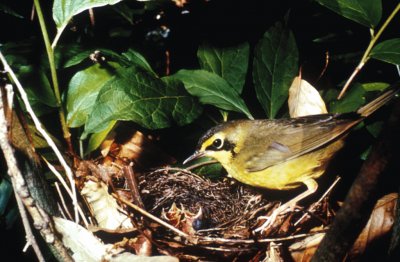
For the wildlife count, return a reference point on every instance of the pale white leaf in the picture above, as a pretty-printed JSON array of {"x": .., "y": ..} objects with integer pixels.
[
  {"x": 104, "y": 206},
  {"x": 304, "y": 99}
]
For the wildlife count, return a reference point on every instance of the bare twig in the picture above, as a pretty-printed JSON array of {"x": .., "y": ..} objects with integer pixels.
[
  {"x": 201, "y": 164},
  {"x": 367, "y": 52},
  {"x": 152, "y": 217},
  {"x": 325, "y": 66},
  {"x": 31, "y": 240},
  {"x": 167, "y": 63},
  {"x": 48, "y": 139},
  {"x": 70, "y": 193},
  {"x": 313, "y": 206},
  {"x": 91, "y": 15},
  {"x": 41, "y": 219},
  {"x": 62, "y": 201},
  {"x": 133, "y": 185}
]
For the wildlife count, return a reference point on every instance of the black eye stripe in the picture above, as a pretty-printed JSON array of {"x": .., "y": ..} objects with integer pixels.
[{"x": 223, "y": 145}]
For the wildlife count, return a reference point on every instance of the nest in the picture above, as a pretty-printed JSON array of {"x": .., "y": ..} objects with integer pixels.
[
  {"x": 191, "y": 217},
  {"x": 216, "y": 216},
  {"x": 221, "y": 205}
]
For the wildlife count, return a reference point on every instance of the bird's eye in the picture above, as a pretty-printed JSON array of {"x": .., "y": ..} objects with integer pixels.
[{"x": 217, "y": 143}]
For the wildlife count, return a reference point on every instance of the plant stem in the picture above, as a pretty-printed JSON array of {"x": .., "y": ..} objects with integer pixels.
[
  {"x": 367, "y": 52},
  {"x": 50, "y": 55}
]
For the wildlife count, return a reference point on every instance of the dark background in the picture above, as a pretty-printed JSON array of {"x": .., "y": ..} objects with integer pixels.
[{"x": 221, "y": 22}]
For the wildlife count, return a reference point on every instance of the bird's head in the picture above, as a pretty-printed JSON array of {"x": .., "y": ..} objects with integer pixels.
[{"x": 220, "y": 142}]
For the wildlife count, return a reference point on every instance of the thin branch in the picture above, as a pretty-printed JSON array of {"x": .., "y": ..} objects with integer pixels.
[
  {"x": 62, "y": 201},
  {"x": 53, "y": 71},
  {"x": 38, "y": 125},
  {"x": 312, "y": 208},
  {"x": 31, "y": 240},
  {"x": 154, "y": 218},
  {"x": 91, "y": 15},
  {"x": 210, "y": 162},
  {"x": 64, "y": 184},
  {"x": 367, "y": 52},
  {"x": 41, "y": 220}
]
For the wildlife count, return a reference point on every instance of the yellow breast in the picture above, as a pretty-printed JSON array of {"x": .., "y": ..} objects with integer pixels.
[{"x": 288, "y": 174}]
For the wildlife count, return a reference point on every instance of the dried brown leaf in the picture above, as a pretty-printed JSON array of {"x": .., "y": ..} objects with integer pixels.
[
  {"x": 104, "y": 207},
  {"x": 379, "y": 224},
  {"x": 136, "y": 148}
]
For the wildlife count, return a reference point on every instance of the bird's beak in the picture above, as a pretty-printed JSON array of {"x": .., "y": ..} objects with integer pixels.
[{"x": 196, "y": 154}]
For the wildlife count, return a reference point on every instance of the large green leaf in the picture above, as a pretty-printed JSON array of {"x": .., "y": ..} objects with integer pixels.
[
  {"x": 82, "y": 92},
  {"x": 274, "y": 67},
  {"x": 387, "y": 51},
  {"x": 365, "y": 12},
  {"x": 64, "y": 10},
  {"x": 353, "y": 100},
  {"x": 230, "y": 63},
  {"x": 137, "y": 95},
  {"x": 212, "y": 89}
]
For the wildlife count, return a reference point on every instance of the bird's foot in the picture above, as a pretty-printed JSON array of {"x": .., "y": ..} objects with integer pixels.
[{"x": 270, "y": 220}]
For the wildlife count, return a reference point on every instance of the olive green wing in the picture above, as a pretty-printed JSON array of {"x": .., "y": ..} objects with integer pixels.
[{"x": 281, "y": 140}]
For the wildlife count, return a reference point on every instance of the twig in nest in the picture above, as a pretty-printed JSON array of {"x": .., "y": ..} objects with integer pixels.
[
  {"x": 314, "y": 206},
  {"x": 152, "y": 217},
  {"x": 201, "y": 164}
]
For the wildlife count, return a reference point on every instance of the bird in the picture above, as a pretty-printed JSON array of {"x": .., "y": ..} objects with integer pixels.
[{"x": 282, "y": 154}]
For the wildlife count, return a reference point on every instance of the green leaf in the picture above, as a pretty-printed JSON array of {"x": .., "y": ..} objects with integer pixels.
[
  {"x": 364, "y": 12},
  {"x": 125, "y": 11},
  {"x": 375, "y": 86},
  {"x": 108, "y": 54},
  {"x": 137, "y": 59},
  {"x": 387, "y": 51},
  {"x": 8, "y": 10},
  {"x": 64, "y": 10},
  {"x": 354, "y": 99},
  {"x": 212, "y": 89},
  {"x": 230, "y": 63},
  {"x": 210, "y": 170},
  {"x": 83, "y": 89},
  {"x": 375, "y": 128},
  {"x": 274, "y": 67},
  {"x": 39, "y": 86},
  {"x": 5, "y": 194},
  {"x": 96, "y": 139},
  {"x": 137, "y": 95}
]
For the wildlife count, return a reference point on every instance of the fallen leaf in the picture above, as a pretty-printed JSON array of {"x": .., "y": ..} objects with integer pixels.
[
  {"x": 104, "y": 207},
  {"x": 304, "y": 99},
  {"x": 379, "y": 224},
  {"x": 88, "y": 248}
]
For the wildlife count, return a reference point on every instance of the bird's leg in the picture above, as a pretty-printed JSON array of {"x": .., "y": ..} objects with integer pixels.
[{"x": 311, "y": 188}]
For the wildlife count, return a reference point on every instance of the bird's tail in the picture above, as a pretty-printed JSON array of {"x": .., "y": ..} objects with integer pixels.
[{"x": 375, "y": 104}]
